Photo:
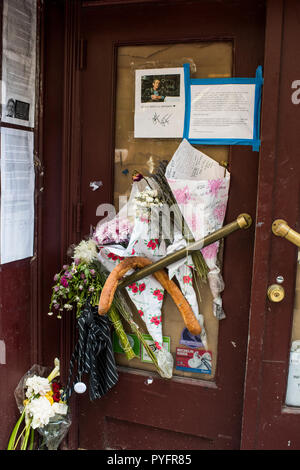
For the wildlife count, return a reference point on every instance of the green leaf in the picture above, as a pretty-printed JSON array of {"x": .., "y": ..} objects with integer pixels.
[{"x": 14, "y": 433}]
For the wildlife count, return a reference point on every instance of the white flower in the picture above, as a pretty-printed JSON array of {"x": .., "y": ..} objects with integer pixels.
[
  {"x": 68, "y": 307},
  {"x": 60, "y": 408},
  {"x": 37, "y": 386},
  {"x": 40, "y": 410},
  {"x": 86, "y": 251}
]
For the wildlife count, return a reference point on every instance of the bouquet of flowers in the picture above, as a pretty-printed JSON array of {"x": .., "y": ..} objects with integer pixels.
[
  {"x": 42, "y": 407},
  {"x": 81, "y": 282},
  {"x": 116, "y": 231},
  {"x": 76, "y": 282}
]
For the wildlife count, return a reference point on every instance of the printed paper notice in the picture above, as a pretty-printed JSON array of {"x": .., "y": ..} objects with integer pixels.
[
  {"x": 159, "y": 103},
  {"x": 17, "y": 195},
  {"x": 224, "y": 111},
  {"x": 19, "y": 62}
]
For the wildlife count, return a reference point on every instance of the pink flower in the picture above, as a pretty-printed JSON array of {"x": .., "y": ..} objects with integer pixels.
[
  {"x": 215, "y": 185},
  {"x": 186, "y": 279},
  {"x": 182, "y": 196},
  {"x": 64, "y": 282},
  {"x": 160, "y": 297},
  {"x": 158, "y": 346}
]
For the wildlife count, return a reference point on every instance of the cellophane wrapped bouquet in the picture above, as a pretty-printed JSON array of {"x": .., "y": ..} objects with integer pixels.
[{"x": 40, "y": 399}]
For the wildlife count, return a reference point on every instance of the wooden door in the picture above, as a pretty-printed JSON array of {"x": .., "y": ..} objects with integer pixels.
[
  {"x": 268, "y": 422},
  {"x": 184, "y": 412}
]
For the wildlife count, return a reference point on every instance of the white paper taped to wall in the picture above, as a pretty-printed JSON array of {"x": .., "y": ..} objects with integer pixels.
[
  {"x": 222, "y": 111},
  {"x": 19, "y": 62},
  {"x": 17, "y": 195},
  {"x": 159, "y": 103}
]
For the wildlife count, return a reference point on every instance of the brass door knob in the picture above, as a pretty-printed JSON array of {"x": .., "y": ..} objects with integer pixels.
[{"x": 275, "y": 293}]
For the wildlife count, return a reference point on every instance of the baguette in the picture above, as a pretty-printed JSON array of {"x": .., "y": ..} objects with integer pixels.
[{"x": 133, "y": 262}]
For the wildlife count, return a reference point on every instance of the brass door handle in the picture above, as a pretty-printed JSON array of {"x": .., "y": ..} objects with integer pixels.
[
  {"x": 281, "y": 229},
  {"x": 243, "y": 221},
  {"x": 275, "y": 293}
]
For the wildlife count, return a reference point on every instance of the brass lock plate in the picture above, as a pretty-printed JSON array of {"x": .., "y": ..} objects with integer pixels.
[{"x": 275, "y": 293}]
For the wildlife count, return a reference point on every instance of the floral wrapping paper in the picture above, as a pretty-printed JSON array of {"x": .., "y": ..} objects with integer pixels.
[
  {"x": 148, "y": 294},
  {"x": 201, "y": 190}
]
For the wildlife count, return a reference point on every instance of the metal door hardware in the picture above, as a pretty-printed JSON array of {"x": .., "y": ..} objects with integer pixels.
[
  {"x": 243, "y": 221},
  {"x": 275, "y": 293},
  {"x": 280, "y": 228}
]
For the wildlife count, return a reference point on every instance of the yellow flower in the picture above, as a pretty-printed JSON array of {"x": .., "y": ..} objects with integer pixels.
[
  {"x": 25, "y": 402},
  {"x": 49, "y": 398}
]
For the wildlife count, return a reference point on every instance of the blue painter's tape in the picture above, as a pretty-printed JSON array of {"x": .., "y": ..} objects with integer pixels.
[
  {"x": 187, "y": 89},
  {"x": 257, "y": 81}
]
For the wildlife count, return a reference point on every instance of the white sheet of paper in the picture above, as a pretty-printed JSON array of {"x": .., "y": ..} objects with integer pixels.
[
  {"x": 17, "y": 195},
  {"x": 224, "y": 111},
  {"x": 188, "y": 163},
  {"x": 19, "y": 62},
  {"x": 159, "y": 117}
]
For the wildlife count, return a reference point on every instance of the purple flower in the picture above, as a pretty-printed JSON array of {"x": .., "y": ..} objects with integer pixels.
[
  {"x": 77, "y": 261},
  {"x": 64, "y": 282},
  {"x": 93, "y": 272},
  {"x": 56, "y": 277},
  {"x": 65, "y": 267},
  {"x": 56, "y": 288},
  {"x": 82, "y": 276},
  {"x": 69, "y": 275},
  {"x": 56, "y": 306}
]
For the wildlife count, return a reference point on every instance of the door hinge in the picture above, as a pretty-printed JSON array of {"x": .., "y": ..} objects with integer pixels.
[
  {"x": 78, "y": 217},
  {"x": 82, "y": 54}
]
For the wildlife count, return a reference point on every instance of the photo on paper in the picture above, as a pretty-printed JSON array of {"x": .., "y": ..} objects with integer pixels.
[
  {"x": 160, "y": 88},
  {"x": 17, "y": 109},
  {"x": 159, "y": 103}
]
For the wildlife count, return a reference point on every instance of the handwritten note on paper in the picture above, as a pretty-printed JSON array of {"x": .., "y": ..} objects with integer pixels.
[
  {"x": 17, "y": 195},
  {"x": 159, "y": 103},
  {"x": 191, "y": 164}
]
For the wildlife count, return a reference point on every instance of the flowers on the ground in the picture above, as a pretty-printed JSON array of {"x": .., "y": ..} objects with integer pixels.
[
  {"x": 37, "y": 386},
  {"x": 43, "y": 406},
  {"x": 39, "y": 411}
]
